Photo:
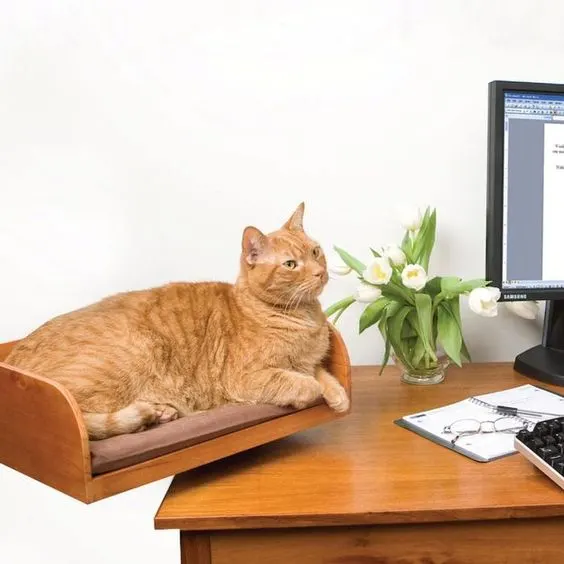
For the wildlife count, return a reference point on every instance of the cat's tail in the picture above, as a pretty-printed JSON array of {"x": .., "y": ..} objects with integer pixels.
[{"x": 137, "y": 416}]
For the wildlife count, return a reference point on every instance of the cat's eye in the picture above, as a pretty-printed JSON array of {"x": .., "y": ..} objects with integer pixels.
[
  {"x": 291, "y": 264},
  {"x": 316, "y": 252}
]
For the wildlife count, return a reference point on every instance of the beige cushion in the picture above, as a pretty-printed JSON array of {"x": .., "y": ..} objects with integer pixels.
[{"x": 126, "y": 450}]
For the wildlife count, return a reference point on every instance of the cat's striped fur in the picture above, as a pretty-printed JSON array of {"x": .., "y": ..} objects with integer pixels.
[{"x": 149, "y": 356}]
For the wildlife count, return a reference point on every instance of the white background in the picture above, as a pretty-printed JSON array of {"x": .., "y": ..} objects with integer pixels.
[{"x": 137, "y": 139}]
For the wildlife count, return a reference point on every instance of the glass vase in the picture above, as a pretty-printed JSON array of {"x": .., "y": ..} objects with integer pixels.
[{"x": 422, "y": 375}]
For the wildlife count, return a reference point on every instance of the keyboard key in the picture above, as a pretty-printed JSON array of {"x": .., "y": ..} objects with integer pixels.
[
  {"x": 535, "y": 443},
  {"x": 553, "y": 457},
  {"x": 549, "y": 452},
  {"x": 558, "y": 465},
  {"x": 557, "y": 462},
  {"x": 525, "y": 436},
  {"x": 553, "y": 427},
  {"x": 549, "y": 440}
]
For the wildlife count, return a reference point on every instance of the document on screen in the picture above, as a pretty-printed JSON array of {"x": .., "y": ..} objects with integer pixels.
[{"x": 553, "y": 202}]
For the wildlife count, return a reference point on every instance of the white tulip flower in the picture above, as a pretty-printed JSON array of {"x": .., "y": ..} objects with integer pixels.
[
  {"x": 367, "y": 293},
  {"x": 526, "y": 310},
  {"x": 483, "y": 301},
  {"x": 395, "y": 254},
  {"x": 378, "y": 272},
  {"x": 339, "y": 269},
  {"x": 414, "y": 276},
  {"x": 411, "y": 219}
]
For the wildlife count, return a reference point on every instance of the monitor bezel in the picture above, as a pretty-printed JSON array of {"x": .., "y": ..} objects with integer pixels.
[{"x": 494, "y": 213}]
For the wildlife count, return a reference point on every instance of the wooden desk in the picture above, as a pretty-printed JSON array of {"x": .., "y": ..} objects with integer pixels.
[{"x": 363, "y": 490}]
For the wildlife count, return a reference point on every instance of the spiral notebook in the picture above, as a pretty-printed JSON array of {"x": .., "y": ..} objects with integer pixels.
[{"x": 490, "y": 446}]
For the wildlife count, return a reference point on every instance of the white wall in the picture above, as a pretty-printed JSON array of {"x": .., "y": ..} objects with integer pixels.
[{"x": 138, "y": 138}]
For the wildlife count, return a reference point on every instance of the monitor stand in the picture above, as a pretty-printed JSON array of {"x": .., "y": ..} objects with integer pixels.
[{"x": 546, "y": 362}]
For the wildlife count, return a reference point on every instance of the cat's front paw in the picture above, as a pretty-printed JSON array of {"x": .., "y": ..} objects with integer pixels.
[
  {"x": 166, "y": 413},
  {"x": 307, "y": 392},
  {"x": 160, "y": 413},
  {"x": 336, "y": 396}
]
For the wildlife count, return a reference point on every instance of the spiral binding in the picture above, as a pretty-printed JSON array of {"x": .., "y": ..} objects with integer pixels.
[{"x": 494, "y": 409}]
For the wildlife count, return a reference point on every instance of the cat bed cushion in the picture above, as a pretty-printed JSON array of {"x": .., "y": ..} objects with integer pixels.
[{"x": 125, "y": 450}]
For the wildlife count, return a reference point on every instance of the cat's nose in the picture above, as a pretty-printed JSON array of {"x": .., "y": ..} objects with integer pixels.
[{"x": 318, "y": 273}]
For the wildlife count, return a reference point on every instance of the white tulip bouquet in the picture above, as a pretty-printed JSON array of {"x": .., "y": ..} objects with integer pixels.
[{"x": 416, "y": 315}]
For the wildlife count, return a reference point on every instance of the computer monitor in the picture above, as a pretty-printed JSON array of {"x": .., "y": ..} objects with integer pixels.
[{"x": 525, "y": 211}]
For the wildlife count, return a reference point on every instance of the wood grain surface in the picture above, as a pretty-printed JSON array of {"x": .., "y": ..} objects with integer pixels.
[
  {"x": 195, "y": 549},
  {"x": 364, "y": 469},
  {"x": 525, "y": 541}
]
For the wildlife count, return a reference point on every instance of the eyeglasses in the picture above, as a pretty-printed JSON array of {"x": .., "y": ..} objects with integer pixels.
[{"x": 468, "y": 427}]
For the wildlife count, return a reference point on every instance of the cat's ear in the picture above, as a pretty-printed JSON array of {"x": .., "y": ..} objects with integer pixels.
[
  {"x": 296, "y": 222},
  {"x": 254, "y": 242}
]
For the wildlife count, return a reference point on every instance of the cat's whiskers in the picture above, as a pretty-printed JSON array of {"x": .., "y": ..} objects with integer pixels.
[
  {"x": 298, "y": 295},
  {"x": 295, "y": 293},
  {"x": 301, "y": 291}
]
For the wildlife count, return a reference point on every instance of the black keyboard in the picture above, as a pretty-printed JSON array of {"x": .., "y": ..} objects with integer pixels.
[{"x": 544, "y": 447}]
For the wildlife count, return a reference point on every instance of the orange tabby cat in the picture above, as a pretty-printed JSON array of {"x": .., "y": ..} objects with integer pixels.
[{"x": 145, "y": 357}]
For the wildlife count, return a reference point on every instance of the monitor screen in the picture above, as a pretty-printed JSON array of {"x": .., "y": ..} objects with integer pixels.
[{"x": 528, "y": 192}]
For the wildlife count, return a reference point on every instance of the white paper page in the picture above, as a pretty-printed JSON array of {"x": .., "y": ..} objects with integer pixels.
[
  {"x": 490, "y": 445},
  {"x": 553, "y": 200}
]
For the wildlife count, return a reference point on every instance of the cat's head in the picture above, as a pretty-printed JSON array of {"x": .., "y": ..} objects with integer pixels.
[{"x": 285, "y": 267}]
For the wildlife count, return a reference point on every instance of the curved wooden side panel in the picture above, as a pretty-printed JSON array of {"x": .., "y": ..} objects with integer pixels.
[
  {"x": 5, "y": 349},
  {"x": 338, "y": 362},
  {"x": 42, "y": 433}
]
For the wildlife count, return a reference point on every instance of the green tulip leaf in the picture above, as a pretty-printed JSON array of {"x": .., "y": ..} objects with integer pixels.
[
  {"x": 351, "y": 261},
  {"x": 339, "y": 306},
  {"x": 452, "y": 286},
  {"x": 423, "y": 306},
  {"x": 394, "y": 290},
  {"x": 433, "y": 286},
  {"x": 390, "y": 309},
  {"x": 407, "y": 247},
  {"x": 449, "y": 334},
  {"x": 425, "y": 239},
  {"x": 372, "y": 314},
  {"x": 453, "y": 306},
  {"x": 418, "y": 352},
  {"x": 395, "y": 330}
]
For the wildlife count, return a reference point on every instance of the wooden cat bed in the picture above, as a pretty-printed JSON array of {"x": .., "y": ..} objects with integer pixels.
[{"x": 42, "y": 434}]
